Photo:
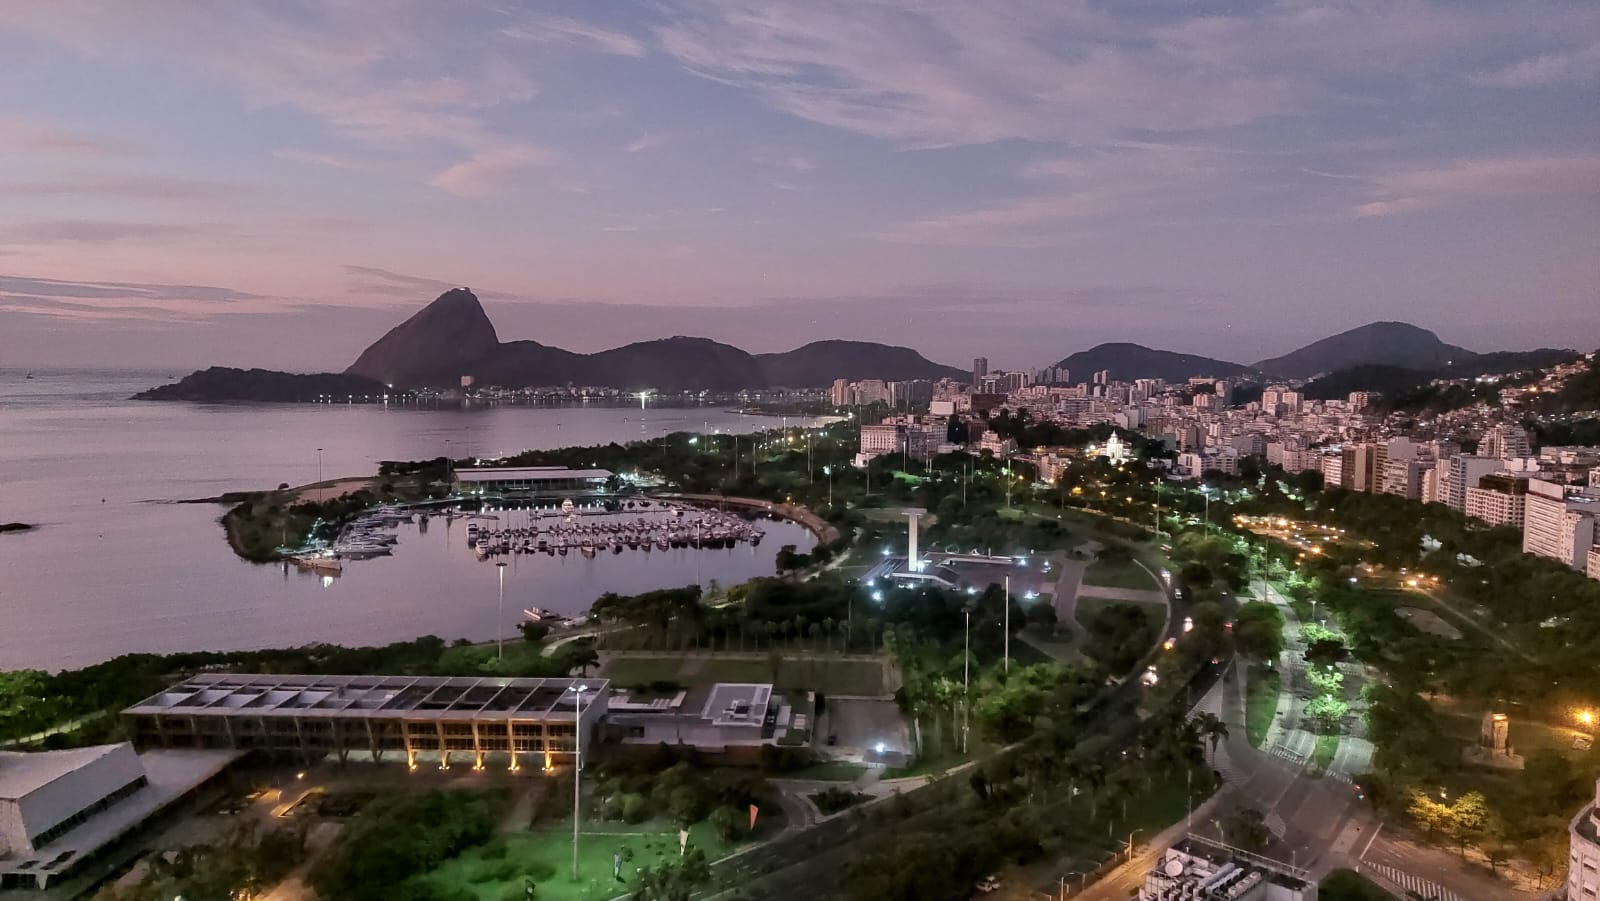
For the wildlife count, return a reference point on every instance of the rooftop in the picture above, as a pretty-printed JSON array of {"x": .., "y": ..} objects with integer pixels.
[
  {"x": 528, "y": 473},
  {"x": 23, "y": 773},
  {"x": 436, "y": 697}
]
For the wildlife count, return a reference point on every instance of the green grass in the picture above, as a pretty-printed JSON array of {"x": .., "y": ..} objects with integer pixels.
[
  {"x": 827, "y": 675},
  {"x": 1526, "y": 737},
  {"x": 540, "y": 852},
  {"x": 1348, "y": 885},
  {"x": 934, "y": 764},
  {"x": 1089, "y": 606},
  {"x": 1119, "y": 574},
  {"x": 830, "y": 771},
  {"x": 1322, "y": 757},
  {"x": 1260, "y": 703}
]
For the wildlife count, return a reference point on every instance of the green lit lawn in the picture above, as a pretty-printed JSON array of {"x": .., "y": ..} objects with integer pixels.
[
  {"x": 1260, "y": 703},
  {"x": 550, "y": 850},
  {"x": 1119, "y": 574}
]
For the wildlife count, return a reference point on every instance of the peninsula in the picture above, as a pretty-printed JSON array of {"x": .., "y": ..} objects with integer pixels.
[{"x": 452, "y": 339}]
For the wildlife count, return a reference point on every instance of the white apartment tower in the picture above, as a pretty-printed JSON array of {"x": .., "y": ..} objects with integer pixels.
[
  {"x": 1505, "y": 441},
  {"x": 1558, "y": 527},
  {"x": 1583, "y": 864}
]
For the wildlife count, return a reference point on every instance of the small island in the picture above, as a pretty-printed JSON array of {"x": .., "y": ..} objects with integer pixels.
[{"x": 16, "y": 527}]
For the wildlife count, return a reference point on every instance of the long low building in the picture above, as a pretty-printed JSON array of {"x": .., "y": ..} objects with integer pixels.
[
  {"x": 422, "y": 717},
  {"x": 529, "y": 480}
]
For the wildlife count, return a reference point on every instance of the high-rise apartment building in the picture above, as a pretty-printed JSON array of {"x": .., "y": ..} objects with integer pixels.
[
  {"x": 1583, "y": 862},
  {"x": 1504, "y": 441},
  {"x": 1460, "y": 472},
  {"x": 1557, "y": 526},
  {"x": 840, "y": 394},
  {"x": 980, "y": 368},
  {"x": 1338, "y": 467},
  {"x": 1500, "y": 499}
]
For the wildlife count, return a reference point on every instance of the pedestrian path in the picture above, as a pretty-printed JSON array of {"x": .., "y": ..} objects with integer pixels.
[{"x": 1429, "y": 891}]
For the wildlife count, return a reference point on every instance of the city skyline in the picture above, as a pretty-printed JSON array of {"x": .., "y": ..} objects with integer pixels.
[{"x": 276, "y": 185}]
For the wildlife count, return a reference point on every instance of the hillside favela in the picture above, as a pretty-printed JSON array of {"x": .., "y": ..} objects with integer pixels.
[{"x": 731, "y": 450}]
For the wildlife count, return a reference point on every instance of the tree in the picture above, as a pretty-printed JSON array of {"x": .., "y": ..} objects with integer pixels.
[
  {"x": 1327, "y": 711},
  {"x": 1326, "y": 652},
  {"x": 1246, "y": 828},
  {"x": 1210, "y": 727},
  {"x": 1258, "y": 631}
]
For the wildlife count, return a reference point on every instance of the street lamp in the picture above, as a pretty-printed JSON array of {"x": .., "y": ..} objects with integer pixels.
[
  {"x": 577, "y": 766},
  {"x": 500, "y": 620},
  {"x": 828, "y": 471},
  {"x": 319, "y": 464}
]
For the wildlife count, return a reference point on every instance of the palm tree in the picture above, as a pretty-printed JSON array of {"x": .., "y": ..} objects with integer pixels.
[{"x": 1211, "y": 728}]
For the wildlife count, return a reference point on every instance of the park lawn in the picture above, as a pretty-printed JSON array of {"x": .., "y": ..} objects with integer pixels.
[
  {"x": 1322, "y": 756},
  {"x": 936, "y": 763},
  {"x": 833, "y": 676},
  {"x": 828, "y": 771},
  {"x": 1119, "y": 574},
  {"x": 551, "y": 849},
  {"x": 1156, "y": 613},
  {"x": 1260, "y": 703},
  {"x": 626, "y": 671},
  {"x": 1348, "y": 885},
  {"x": 1526, "y": 737},
  {"x": 521, "y": 657}
]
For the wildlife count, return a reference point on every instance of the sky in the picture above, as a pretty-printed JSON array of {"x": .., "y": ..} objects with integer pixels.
[{"x": 276, "y": 183}]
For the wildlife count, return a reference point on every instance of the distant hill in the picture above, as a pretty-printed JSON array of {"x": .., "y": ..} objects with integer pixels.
[
  {"x": 1386, "y": 380},
  {"x": 436, "y": 346},
  {"x": 219, "y": 383},
  {"x": 1135, "y": 361},
  {"x": 1377, "y": 343},
  {"x": 820, "y": 362},
  {"x": 453, "y": 337}
]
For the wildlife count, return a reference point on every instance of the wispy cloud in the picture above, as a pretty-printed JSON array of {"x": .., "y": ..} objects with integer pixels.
[
  {"x": 23, "y": 137},
  {"x": 132, "y": 186},
  {"x": 557, "y": 29},
  {"x": 648, "y": 141},
  {"x": 125, "y": 302},
  {"x": 91, "y": 231},
  {"x": 1427, "y": 188},
  {"x": 489, "y": 171},
  {"x": 1579, "y": 67},
  {"x": 316, "y": 158}
]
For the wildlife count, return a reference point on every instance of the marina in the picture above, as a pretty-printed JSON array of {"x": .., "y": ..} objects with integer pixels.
[{"x": 112, "y": 548}]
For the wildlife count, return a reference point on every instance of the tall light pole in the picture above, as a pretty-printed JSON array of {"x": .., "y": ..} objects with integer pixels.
[
  {"x": 966, "y": 675},
  {"x": 319, "y": 464},
  {"x": 577, "y": 766},
  {"x": 500, "y": 620},
  {"x": 1007, "y": 658},
  {"x": 828, "y": 471}
]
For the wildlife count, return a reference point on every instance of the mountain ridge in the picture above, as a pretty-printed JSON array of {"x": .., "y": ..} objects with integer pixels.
[
  {"x": 1127, "y": 361},
  {"x": 1383, "y": 343}
]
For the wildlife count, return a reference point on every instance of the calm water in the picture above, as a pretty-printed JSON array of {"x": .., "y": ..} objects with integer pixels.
[{"x": 117, "y": 567}]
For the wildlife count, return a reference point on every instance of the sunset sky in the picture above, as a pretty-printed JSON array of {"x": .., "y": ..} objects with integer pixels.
[{"x": 275, "y": 183}]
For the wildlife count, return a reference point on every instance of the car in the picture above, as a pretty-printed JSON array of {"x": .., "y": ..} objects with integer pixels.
[{"x": 988, "y": 885}]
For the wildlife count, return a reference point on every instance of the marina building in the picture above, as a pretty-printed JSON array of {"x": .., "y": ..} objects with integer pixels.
[
  {"x": 434, "y": 718},
  {"x": 529, "y": 480}
]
